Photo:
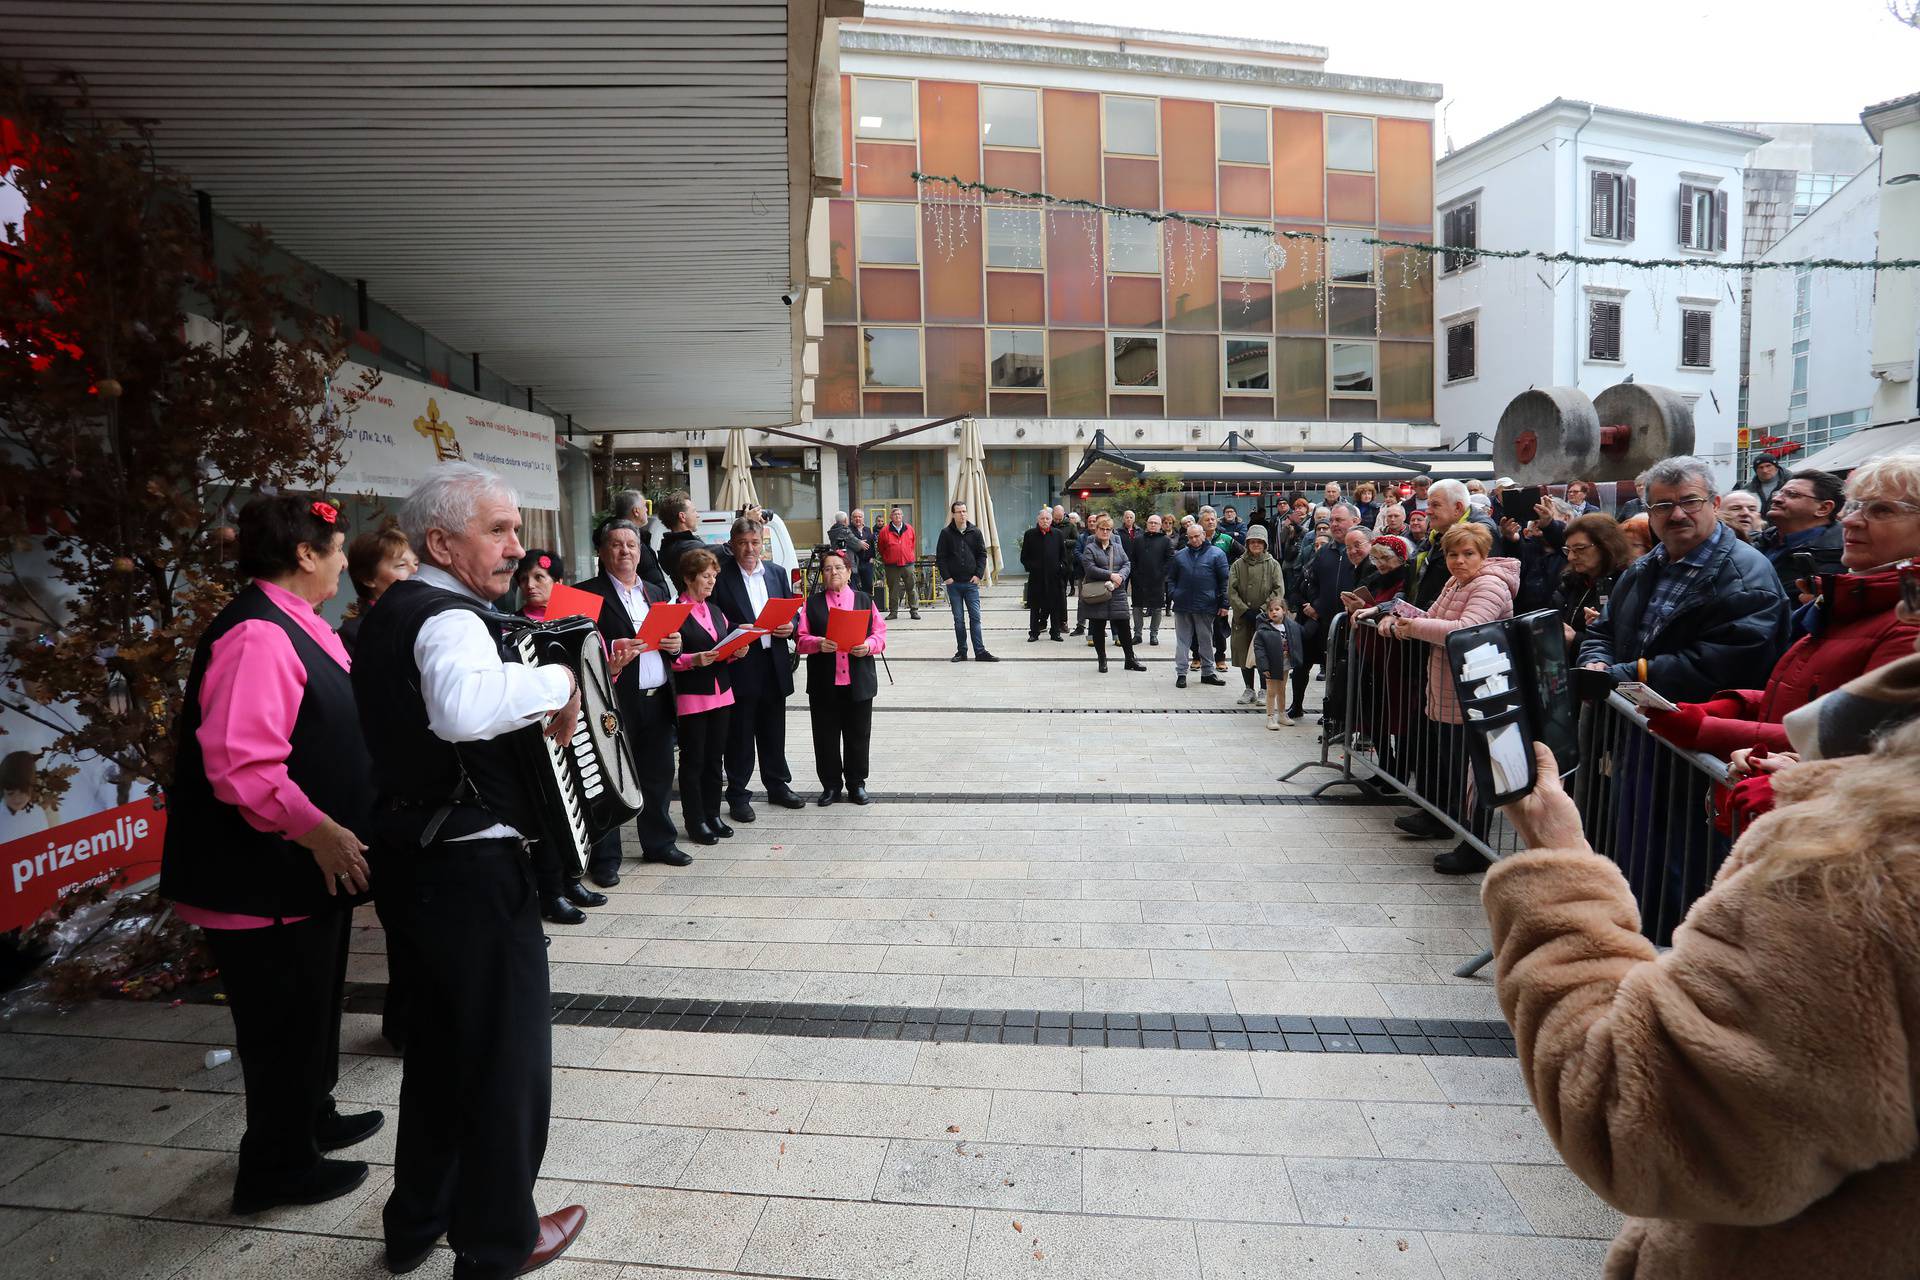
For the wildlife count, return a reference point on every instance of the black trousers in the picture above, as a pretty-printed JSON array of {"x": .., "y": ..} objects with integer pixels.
[
  {"x": 1046, "y": 608},
  {"x": 703, "y": 746},
  {"x": 650, "y": 730},
  {"x": 1121, "y": 635},
  {"x": 758, "y": 728},
  {"x": 284, "y": 986},
  {"x": 477, "y": 1082},
  {"x": 842, "y": 735},
  {"x": 1222, "y": 628}
]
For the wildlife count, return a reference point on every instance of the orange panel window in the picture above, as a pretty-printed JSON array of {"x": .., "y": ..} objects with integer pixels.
[
  {"x": 1133, "y": 183},
  {"x": 1072, "y": 144},
  {"x": 839, "y": 389},
  {"x": 1406, "y": 275},
  {"x": 951, "y": 253},
  {"x": 1186, "y": 131},
  {"x": 1406, "y": 381},
  {"x": 1133, "y": 302},
  {"x": 1023, "y": 404},
  {"x": 886, "y": 169},
  {"x": 1016, "y": 297},
  {"x": 1406, "y": 173},
  {"x": 846, "y": 134},
  {"x": 1077, "y": 370},
  {"x": 838, "y": 296},
  {"x": 1299, "y": 165},
  {"x": 1297, "y": 304},
  {"x": 1075, "y": 279},
  {"x": 1193, "y": 277},
  {"x": 1019, "y": 170},
  {"x": 889, "y": 295},
  {"x": 1246, "y": 407},
  {"x": 1192, "y": 375},
  {"x": 1246, "y": 306},
  {"x": 1300, "y": 378},
  {"x": 1246, "y": 191},
  {"x": 895, "y": 404},
  {"x": 950, "y": 129},
  {"x": 1350, "y": 198},
  {"x": 1138, "y": 407},
  {"x": 956, "y": 371}
]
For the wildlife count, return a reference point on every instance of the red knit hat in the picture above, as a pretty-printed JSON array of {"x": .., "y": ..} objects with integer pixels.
[{"x": 1396, "y": 544}]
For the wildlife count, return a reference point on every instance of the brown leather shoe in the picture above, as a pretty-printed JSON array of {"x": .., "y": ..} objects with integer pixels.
[{"x": 557, "y": 1231}]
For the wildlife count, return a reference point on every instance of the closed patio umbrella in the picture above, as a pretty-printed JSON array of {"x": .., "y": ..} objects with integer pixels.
[
  {"x": 736, "y": 475},
  {"x": 972, "y": 490}
]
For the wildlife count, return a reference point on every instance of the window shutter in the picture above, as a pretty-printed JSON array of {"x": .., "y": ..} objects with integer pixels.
[
  {"x": 1696, "y": 339},
  {"x": 1460, "y": 351},
  {"x": 1601, "y": 215},
  {"x": 1603, "y": 330},
  {"x": 1449, "y": 229},
  {"x": 1686, "y": 216},
  {"x": 1720, "y": 220},
  {"x": 1626, "y": 208},
  {"x": 1469, "y": 231}
]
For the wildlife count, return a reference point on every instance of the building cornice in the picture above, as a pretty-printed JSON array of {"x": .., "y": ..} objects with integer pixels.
[
  {"x": 1563, "y": 113},
  {"x": 1134, "y": 37},
  {"x": 1883, "y": 116}
]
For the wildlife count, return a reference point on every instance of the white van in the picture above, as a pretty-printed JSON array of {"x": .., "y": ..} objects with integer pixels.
[{"x": 713, "y": 530}]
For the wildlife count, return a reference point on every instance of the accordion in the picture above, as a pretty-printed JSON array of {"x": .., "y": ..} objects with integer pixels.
[{"x": 586, "y": 785}]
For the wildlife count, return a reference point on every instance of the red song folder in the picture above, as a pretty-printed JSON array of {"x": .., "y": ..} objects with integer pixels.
[
  {"x": 571, "y": 602},
  {"x": 662, "y": 619},
  {"x": 778, "y": 613},
  {"x": 847, "y": 628}
]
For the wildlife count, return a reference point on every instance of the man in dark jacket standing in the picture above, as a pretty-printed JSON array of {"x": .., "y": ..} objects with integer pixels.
[
  {"x": 1198, "y": 577},
  {"x": 863, "y": 550},
  {"x": 1152, "y": 552},
  {"x": 1339, "y": 566},
  {"x": 1703, "y": 611},
  {"x": 1804, "y": 517},
  {"x": 1768, "y": 477},
  {"x": 960, "y": 558},
  {"x": 762, "y": 678},
  {"x": 1043, "y": 554}
]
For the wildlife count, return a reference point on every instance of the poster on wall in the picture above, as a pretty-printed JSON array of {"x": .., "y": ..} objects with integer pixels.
[
  {"x": 401, "y": 429},
  {"x": 46, "y": 865}
]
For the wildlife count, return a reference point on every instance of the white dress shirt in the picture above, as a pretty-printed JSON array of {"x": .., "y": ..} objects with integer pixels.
[
  {"x": 756, "y": 580},
  {"x": 472, "y": 695},
  {"x": 650, "y": 669}
]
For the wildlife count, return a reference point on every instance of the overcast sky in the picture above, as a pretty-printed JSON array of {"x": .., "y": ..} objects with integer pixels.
[{"x": 1773, "y": 60}]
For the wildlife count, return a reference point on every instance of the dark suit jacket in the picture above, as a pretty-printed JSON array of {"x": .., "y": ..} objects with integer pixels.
[
  {"x": 761, "y": 671},
  {"x": 616, "y": 625}
]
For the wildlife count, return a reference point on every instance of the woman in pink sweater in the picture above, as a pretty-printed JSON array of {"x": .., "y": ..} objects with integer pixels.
[{"x": 1480, "y": 590}]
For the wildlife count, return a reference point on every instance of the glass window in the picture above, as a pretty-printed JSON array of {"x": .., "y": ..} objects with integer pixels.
[
  {"x": 1136, "y": 361},
  {"x": 1244, "y": 254},
  {"x": 1016, "y": 358},
  {"x": 1352, "y": 367},
  {"x": 1349, "y": 257},
  {"x": 887, "y": 233},
  {"x": 1013, "y": 238},
  {"x": 1350, "y": 143},
  {"x": 883, "y": 109},
  {"x": 1133, "y": 244},
  {"x": 1133, "y": 127},
  {"x": 1249, "y": 364},
  {"x": 1009, "y": 117},
  {"x": 1243, "y": 135},
  {"x": 893, "y": 357}
]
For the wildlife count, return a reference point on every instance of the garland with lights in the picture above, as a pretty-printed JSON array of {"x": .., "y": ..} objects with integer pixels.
[{"x": 1467, "y": 253}]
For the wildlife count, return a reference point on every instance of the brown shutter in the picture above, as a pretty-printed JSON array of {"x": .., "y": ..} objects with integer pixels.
[
  {"x": 1469, "y": 231},
  {"x": 1600, "y": 210},
  {"x": 1460, "y": 351},
  {"x": 1686, "y": 216},
  {"x": 1696, "y": 339},
  {"x": 1720, "y": 220},
  {"x": 1626, "y": 208},
  {"x": 1603, "y": 330}
]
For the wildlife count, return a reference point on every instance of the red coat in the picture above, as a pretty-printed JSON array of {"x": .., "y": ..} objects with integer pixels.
[
  {"x": 1854, "y": 631},
  {"x": 896, "y": 549}
]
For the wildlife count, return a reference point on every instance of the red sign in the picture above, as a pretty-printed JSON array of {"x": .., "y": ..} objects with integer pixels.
[{"x": 43, "y": 869}]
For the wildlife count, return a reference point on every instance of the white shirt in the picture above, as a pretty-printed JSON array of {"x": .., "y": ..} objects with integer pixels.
[
  {"x": 756, "y": 581},
  {"x": 650, "y": 669},
  {"x": 472, "y": 695}
]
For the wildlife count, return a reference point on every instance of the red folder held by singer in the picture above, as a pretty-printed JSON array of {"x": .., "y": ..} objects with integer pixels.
[{"x": 848, "y": 628}]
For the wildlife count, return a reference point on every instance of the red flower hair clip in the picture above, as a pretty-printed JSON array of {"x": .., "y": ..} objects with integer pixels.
[
  {"x": 326, "y": 511},
  {"x": 546, "y": 562}
]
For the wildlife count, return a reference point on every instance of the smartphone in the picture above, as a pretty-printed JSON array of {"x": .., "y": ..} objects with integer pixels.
[
  {"x": 1800, "y": 566},
  {"x": 1518, "y": 504},
  {"x": 1365, "y": 595},
  {"x": 1910, "y": 585},
  {"x": 1555, "y": 710}
]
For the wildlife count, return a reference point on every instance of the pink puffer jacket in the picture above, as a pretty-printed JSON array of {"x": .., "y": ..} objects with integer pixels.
[{"x": 1482, "y": 598}]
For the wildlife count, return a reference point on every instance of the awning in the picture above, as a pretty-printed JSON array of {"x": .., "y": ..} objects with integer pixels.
[{"x": 1862, "y": 446}]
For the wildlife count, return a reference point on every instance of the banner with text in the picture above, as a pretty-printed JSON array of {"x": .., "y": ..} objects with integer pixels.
[
  {"x": 402, "y": 428},
  {"x": 42, "y": 868}
]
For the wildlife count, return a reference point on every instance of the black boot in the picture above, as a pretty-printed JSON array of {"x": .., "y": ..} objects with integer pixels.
[
  {"x": 557, "y": 910},
  {"x": 1133, "y": 664},
  {"x": 581, "y": 896},
  {"x": 1100, "y": 651}
]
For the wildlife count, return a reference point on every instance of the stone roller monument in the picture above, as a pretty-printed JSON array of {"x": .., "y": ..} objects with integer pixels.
[{"x": 1548, "y": 435}]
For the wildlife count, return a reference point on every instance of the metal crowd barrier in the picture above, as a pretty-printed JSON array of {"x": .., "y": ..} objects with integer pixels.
[{"x": 1646, "y": 804}]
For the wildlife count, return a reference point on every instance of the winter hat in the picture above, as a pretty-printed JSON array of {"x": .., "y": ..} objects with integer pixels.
[
  {"x": 1396, "y": 544},
  {"x": 1258, "y": 533}
]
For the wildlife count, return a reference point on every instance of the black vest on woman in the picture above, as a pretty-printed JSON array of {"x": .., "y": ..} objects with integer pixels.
[
  {"x": 862, "y": 681},
  {"x": 712, "y": 678},
  {"x": 214, "y": 858}
]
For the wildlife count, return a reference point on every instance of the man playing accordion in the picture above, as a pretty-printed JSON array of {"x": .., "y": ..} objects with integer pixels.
[{"x": 455, "y": 888}]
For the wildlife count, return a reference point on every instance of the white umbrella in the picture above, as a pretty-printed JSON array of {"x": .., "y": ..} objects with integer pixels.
[
  {"x": 736, "y": 475},
  {"x": 972, "y": 490}
]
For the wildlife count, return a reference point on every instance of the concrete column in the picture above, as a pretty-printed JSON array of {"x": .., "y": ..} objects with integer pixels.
[
  {"x": 698, "y": 486},
  {"x": 829, "y": 488}
]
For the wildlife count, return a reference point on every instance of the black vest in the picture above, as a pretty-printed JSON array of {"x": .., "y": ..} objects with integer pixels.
[
  {"x": 418, "y": 772},
  {"x": 213, "y": 858},
  {"x": 714, "y": 677},
  {"x": 862, "y": 681}
]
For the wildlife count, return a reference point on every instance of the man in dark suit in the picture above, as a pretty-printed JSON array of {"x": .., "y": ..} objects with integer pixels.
[
  {"x": 762, "y": 678},
  {"x": 645, "y": 692},
  {"x": 1043, "y": 554}
]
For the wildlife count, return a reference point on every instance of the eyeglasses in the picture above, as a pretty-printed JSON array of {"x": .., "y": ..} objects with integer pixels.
[
  {"x": 1875, "y": 510},
  {"x": 1666, "y": 509},
  {"x": 1578, "y": 548}
]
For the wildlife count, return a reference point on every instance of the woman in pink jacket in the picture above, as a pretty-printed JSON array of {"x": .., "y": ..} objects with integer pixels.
[{"x": 1480, "y": 590}]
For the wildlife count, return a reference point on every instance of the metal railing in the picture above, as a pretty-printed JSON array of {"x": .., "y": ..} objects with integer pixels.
[
  {"x": 1645, "y": 804},
  {"x": 926, "y": 581}
]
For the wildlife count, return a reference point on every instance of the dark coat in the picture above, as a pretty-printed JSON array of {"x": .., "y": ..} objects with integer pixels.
[
  {"x": 672, "y": 547},
  {"x": 1329, "y": 573},
  {"x": 1574, "y": 596},
  {"x": 1277, "y": 650},
  {"x": 1541, "y": 563},
  {"x": 1198, "y": 577},
  {"x": 1727, "y": 630},
  {"x": 759, "y": 672},
  {"x": 1100, "y": 564},
  {"x": 1152, "y": 553},
  {"x": 1044, "y": 557},
  {"x": 614, "y": 625},
  {"x": 959, "y": 556},
  {"x": 1764, "y": 491},
  {"x": 1828, "y": 545}
]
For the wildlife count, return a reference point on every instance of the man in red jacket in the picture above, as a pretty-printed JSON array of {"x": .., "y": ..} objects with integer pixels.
[{"x": 897, "y": 553}]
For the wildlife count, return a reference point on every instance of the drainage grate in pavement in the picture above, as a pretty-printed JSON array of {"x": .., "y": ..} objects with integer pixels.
[
  {"x": 1075, "y": 797},
  {"x": 1251, "y": 710},
  {"x": 1273, "y": 1033}
]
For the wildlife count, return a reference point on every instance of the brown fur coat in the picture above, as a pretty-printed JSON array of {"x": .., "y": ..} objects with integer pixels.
[{"x": 1749, "y": 1097}]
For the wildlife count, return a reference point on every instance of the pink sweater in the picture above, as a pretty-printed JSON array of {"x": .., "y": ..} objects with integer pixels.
[
  {"x": 810, "y": 643},
  {"x": 692, "y": 704},
  {"x": 1482, "y": 598},
  {"x": 249, "y": 699}
]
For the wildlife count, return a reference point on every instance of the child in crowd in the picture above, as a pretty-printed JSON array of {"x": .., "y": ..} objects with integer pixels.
[{"x": 1277, "y": 645}]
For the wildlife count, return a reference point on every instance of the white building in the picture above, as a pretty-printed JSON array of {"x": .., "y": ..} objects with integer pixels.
[{"x": 1573, "y": 177}]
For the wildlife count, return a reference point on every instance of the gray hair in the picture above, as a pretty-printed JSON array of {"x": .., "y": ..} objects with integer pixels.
[
  {"x": 839, "y": 517},
  {"x": 745, "y": 524},
  {"x": 448, "y": 500},
  {"x": 1209, "y": 511},
  {"x": 626, "y": 504},
  {"x": 1347, "y": 507},
  {"x": 1677, "y": 470},
  {"x": 1744, "y": 493},
  {"x": 616, "y": 526},
  {"x": 1449, "y": 490}
]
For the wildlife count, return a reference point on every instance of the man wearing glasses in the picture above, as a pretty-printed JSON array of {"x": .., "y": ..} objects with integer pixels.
[{"x": 1704, "y": 611}]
